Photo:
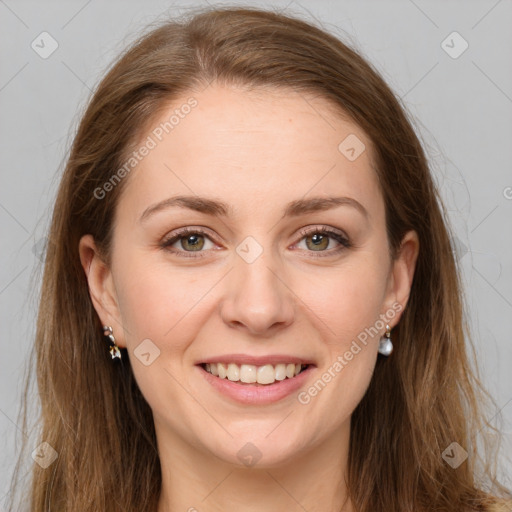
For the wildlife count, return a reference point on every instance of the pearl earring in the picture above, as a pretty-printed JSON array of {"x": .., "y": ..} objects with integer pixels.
[{"x": 385, "y": 344}]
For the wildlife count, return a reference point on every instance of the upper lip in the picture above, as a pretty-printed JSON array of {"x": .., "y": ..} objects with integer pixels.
[{"x": 240, "y": 359}]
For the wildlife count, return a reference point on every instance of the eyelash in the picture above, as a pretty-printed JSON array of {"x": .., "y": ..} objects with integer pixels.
[{"x": 345, "y": 243}]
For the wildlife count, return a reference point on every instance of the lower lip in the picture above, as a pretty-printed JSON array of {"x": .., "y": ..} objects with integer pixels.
[{"x": 258, "y": 395}]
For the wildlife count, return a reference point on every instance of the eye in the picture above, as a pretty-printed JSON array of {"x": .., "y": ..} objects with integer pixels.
[
  {"x": 319, "y": 239},
  {"x": 188, "y": 240}
]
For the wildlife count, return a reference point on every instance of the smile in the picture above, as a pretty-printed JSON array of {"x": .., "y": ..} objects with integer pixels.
[
  {"x": 270, "y": 383},
  {"x": 252, "y": 374}
]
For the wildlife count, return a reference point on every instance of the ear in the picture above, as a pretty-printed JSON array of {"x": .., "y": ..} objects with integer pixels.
[
  {"x": 401, "y": 275},
  {"x": 101, "y": 286}
]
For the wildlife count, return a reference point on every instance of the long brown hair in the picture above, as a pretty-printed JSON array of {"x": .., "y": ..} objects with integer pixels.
[{"x": 420, "y": 400}]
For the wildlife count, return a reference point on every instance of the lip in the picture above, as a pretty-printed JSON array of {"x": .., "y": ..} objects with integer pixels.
[
  {"x": 251, "y": 394},
  {"x": 272, "y": 359}
]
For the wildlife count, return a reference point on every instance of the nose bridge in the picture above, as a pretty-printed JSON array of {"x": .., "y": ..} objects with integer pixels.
[{"x": 256, "y": 297}]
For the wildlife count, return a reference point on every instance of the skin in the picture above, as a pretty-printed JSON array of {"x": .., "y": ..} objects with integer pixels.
[{"x": 256, "y": 151}]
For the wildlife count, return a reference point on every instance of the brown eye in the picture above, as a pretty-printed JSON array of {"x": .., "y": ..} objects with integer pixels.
[
  {"x": 318, "y": 242},
  {"x": 187, "y": 241},
  {"x": 192, "y": 242}
]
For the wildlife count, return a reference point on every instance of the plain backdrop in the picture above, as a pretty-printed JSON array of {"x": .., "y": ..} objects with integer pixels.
[{"x": 449, "y": 61}]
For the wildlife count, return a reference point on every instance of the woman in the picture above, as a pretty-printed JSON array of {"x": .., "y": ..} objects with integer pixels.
[{"x": 249, "y": 297}]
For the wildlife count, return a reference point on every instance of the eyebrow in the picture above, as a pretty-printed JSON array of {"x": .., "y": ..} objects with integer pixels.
[{"x": 221, "y": 209}]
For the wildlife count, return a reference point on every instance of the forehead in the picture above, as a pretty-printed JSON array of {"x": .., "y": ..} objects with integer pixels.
[{"x": 252, "y": 147}]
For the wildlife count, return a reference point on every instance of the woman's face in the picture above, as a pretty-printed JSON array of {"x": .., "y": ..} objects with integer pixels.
[{"x": 253, "y": 277}]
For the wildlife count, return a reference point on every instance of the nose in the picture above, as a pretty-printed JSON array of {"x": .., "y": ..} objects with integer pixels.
[{"x": 257, "y": 298}]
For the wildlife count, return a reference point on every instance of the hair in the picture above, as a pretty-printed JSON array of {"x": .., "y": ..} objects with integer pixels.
[{"x": 422, "y": 398}]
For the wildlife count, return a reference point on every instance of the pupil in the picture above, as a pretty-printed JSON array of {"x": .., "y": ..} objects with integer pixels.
[
  {"x": 317, "y": 239},
  {"x": 192, "y": 242}
]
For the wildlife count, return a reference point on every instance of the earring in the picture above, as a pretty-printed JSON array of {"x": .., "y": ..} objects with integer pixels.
[
  {"x": 114, "y": 349},
  {"x": 385, "y": 344}
]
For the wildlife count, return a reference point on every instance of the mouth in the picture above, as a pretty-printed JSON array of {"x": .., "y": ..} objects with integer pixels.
[
  {"x": 257, "y": 384},
  {"x": 256, "y": 376},
  {"x": 267, "y": 383}
]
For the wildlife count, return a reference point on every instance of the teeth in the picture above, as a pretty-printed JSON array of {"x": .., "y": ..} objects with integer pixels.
[
  {"x": 249, "y": 374},
  {"x": 233, "y": 372},
  {"x": 280, "y": 371},
  {"x": 266, "y": 374},
  {"x": 221, "y": 368}
]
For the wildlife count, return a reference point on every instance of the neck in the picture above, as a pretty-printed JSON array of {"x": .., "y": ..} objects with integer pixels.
[{"x": 197, "y": 481}]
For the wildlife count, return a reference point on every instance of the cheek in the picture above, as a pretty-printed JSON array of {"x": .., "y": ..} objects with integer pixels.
[
  {"x": 166, "y": 306},
  {"x": 159, "y": 302},
  {"x": 347, "y": 306},
  {"x": 347, "y": 300},
  {"x": 147, "y": 303}
]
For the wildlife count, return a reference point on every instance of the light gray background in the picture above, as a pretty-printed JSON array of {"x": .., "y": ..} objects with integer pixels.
[{"x": 462, "y": 108}]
